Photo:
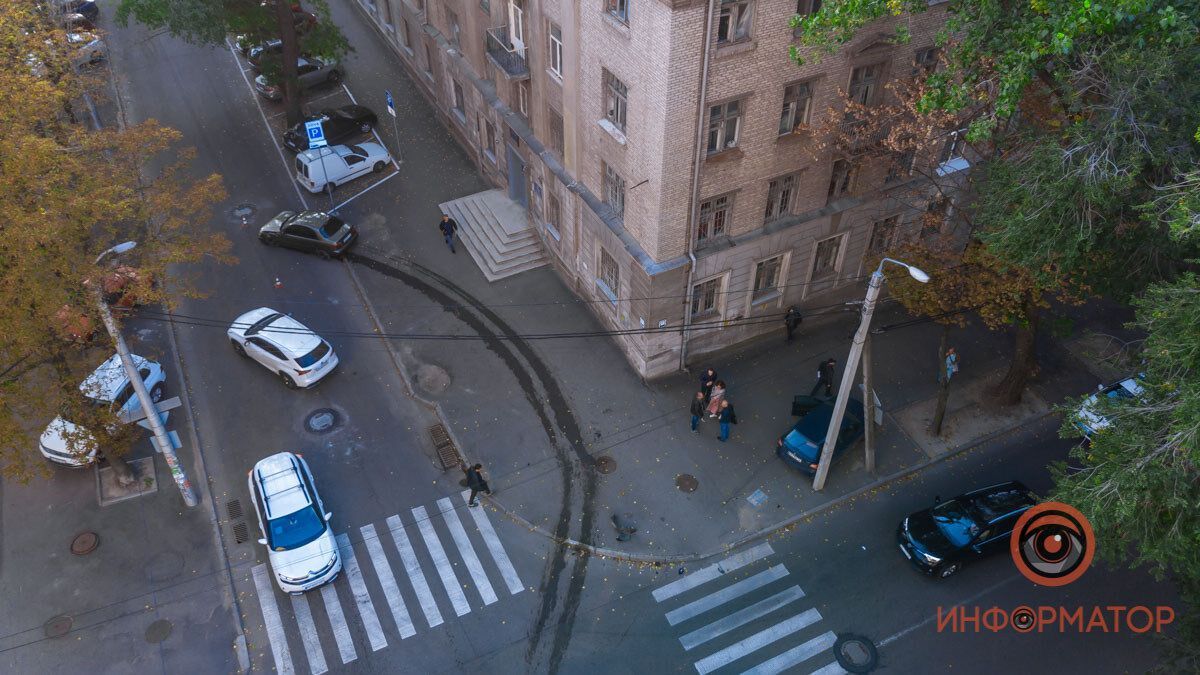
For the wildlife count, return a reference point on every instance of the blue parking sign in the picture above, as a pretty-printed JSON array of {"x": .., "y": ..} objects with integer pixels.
[
  {"x": 391, "y": 104},
  {"x": 316, "y": 134}
]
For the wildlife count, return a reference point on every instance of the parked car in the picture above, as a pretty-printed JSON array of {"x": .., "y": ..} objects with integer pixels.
[
  {"x": 1089, "y": 420},
  {"x": 283, "y": 346},
  {"x": 107, "y": 387},
  {"x": 257, "y": 53},
  {"x": 77, "y": 22},
  {"x": 941, "y": 539},
  {"x": 339, "y": 124},
  {"x": 294, "y": 523},
  {"x": 801, "y": 447},
  {"x": 304, "y": 22},
  {"x": 86, "y": 8},
  {"x": 312, "y": 71},
  {"x": 311, "y": 231},
  {"x": 335, "y": 165},
  {"x": 89, "y": 48}
]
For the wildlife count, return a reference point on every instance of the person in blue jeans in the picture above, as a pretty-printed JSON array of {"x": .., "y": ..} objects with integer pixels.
[
  {"x": 697, "y": 411},
  {"x": 448, "y": 228},
  {"x": 727, "y": 416}
]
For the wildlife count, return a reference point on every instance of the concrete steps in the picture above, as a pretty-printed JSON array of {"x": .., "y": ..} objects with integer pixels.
[{"x": 497, "y": 233}]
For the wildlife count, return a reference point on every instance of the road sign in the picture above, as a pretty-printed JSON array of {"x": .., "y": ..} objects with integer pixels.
[
  {"x": 145, "y": 424},
  {"x": 391, "y": 104},
  {"x": 162, "y": 407},
  {"x": 316, "y": 134}
]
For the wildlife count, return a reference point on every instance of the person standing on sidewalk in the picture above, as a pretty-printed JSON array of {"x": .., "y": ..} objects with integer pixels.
[
  {"x": 824, "y": 378},
  {"x": 448, "y": 227},
  {"x": 707, "y": 379},
  {"x": 715, "y": 398},
  {"x": 476, "y": 482},
  {"x": 791, "y": 321},
  {"x": 697, "y": 411},
  {"x": 727, "y": 417},
  {"x": 951, "y": 363}
]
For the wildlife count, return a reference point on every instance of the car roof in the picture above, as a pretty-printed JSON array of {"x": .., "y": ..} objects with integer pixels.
[
  {"x": 285, "y": 332},
  {"x": 816, "y": 421},
  {"x": 109, "y": 377},
  {"x": 313, "y": 219},
  {"x": 997, "y": 501},
  {"x": 279, "y": 483}
]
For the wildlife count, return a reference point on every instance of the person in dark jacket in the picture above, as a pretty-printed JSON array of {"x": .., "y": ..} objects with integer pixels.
[
  {"x": 791, "y": 321},
  {"x": 448, "y": 228},
  {"x": 476, "y": 482},
  {"x": 707, "y": 379},
  {"x": 824, "y": 378},
  {"x": 727, "y": 417},
  {"x": 697, "y": 411}
]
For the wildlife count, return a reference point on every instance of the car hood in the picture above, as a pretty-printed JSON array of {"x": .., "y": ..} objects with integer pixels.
[
  {"x": 274, "y": 224},
  {"x": 54, "y": 438},
  {"x": 924, "y": 535},
  {"x": 298, "y": 563},
  {"x": 262, "y": 81}
]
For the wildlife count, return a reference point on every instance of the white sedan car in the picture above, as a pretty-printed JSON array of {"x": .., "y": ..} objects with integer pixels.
[
  {"x": 283, "y": 346},
  {"x": 294, "y": 523},
  {"x": 1090, "y": 420},
  {"x": 334, "y": 165}
]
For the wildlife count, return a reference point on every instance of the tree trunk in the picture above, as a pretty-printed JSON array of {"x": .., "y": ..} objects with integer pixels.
[
  {"x": 1008, "y": 391},
  {"x": 288, "y": 76},
  {"x": 943, "y": 396},
  {"x": 121, "y": 469}
]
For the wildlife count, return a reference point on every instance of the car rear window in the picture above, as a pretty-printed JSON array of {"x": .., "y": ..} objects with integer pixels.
[
  {"x": 331, "y": 226},
  {"x": 301, "y": 167},
  {"x": 313, "y": 356}
]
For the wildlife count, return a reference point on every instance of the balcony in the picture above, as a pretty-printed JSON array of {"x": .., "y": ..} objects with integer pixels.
[{"x": 507, "y": 57}]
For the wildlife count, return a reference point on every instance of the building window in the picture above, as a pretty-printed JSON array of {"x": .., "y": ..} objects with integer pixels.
[
  {"x": 619, "y": 9},
  {"x": 452, "y": 20},
  {"x": 556, "y": 49},
  {"x": 405, "y": 38},
  {"x": 556, "y": 129},
  {"x": 616, "y": 101},
  {"x": 554, "y": 215},
  {"x": 610, "y": 276},
  {"x": 842, "y": 179},
  {"x": 490, "y": 138},
  {"x": 808, "y": 6},
  {"x": 724, "y": 123},
  {"x": 714, "y": 218},
  {"x": 901, "y": 166},
  {"x": 614, "y": 190},
  {"x": 733, "y": 22},
  {"x": 864, "y": 83},
  {"x": 883, "y": 235},
  {"x": 797, "y": 103},
  {"x": 460, "y": 101},
  {"x": 428, "y": 60},
  {"x": 486, "y": 6},
  {"x": 706, "y": 298},
  {"x": 780, "y": 194},
  {"x": 521, "y": 93},
  {"x": 826, "y": 260},
  {"x": 954, "y": 146},
  {"x": 925, "y": 60},
  {"x": 766, "y": 277}
]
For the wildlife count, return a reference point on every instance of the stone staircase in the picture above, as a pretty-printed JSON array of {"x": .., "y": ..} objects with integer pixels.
[{"x": 497, "y": 233}]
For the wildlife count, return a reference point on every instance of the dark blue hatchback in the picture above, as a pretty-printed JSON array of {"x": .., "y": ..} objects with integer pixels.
[{"x": 801, "y": 447}]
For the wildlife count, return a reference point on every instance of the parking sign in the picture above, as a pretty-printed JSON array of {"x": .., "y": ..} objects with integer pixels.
[
  {"x": 316, "y": 134},
  {"x": 391, "y": 104}
]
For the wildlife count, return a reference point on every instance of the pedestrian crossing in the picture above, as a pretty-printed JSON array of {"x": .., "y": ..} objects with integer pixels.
[
  {"x": 378, "y": 604},
  {"x": 724, "y": 622}
]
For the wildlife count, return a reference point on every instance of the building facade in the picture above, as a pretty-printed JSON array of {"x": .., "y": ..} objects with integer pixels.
[{"x": 666, "y": 152}]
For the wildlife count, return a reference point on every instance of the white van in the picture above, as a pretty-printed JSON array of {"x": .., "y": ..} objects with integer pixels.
[{"x": 337, "y": 164}]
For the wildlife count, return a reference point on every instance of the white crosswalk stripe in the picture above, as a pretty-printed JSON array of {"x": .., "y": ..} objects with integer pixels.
[
  {"x": 384, "y": 573},
  {"x": 271, "y": 620},
  {"x": 757, "y": 641},
  {"x": 507, "y": 571},
  {"x": 440, "y": 562},
  {"x": 474, "y": 567},
  {"x": 741, "y": 617},
  {"x": 701, "y": 576},
  {"x": 413, "y": 568},
  {"x": 366, "y": 608},
  {"x": 341, "y": 630},
  {"x": 832, "y": 669},
  {"x": 798, "y": 655},
  {"x": 308, "y": 635},
  {"x": 726, "y": 594}
]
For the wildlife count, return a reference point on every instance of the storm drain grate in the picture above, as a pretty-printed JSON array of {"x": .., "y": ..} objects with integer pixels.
[
  {"x": 240, "y": 534},
  {"x": 447, "y": 453},
  {"x": 234, "y": 507}
]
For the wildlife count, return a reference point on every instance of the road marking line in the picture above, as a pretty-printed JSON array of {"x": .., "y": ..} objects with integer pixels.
[
  {"x": 740, "y": 618},
  {"x": 896, "y": 636},
  {"x": 366, "y": 608},
  {"x": 271, "y": 620},
  {"x": 381, "y": 182},
  {"x": 341, "y": 630},
  {"x": 797, "y": 655},
  {"x": 832, "y": 669},
  {"x": 413, "y": 568},
  {"x": 726, "y": 594},
  {"x": 757, "y": 641},
  {"x": 388, "y": 581},
  {"x": 441, "y": 562},
  {"x": 308, "y": 634},
  {"x": 468, "y": 552},
  {"x": 495, "y": 547},
  {"x": 713, "y": 571}
]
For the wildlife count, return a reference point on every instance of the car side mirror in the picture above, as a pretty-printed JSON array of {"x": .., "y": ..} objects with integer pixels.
[
  {"x": 263, "y": 541},
  {"x": 328, "y": 516}
]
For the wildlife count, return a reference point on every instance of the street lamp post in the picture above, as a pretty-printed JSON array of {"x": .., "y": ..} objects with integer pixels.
[
  {"x": 852, "y": 361},
  {"x": 161, "y": 440}
]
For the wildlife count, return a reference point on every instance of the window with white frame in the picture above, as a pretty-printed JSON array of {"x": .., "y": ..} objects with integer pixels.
[
  {"x": 521, "y": 93},
  {"x": 766, "y": 277},
  {"x": 556, "y": 49},
  {"x": 460, "y": 101},
  {"x": 706, "y": 298},
  {"x": 724, "y": 125},
  {"x": 864, "y": 83},
  {"x": 883, "y": 235},
  {"x": 825, "y": 261},
  {"x": 841, "y": 181},
  {"x": 616, "y": 100},
  {"x": 714, "y": 218},
  {"x": 954, "y": 146},
  {"x": 610, "y": 276},
  {"x": 734, "y": 21},
  {"x": 797, "y": 105},
  {"x": 613, "y": 188},
  {"x": 619, "y": 9},
  {"x": 780, "y": 195}
]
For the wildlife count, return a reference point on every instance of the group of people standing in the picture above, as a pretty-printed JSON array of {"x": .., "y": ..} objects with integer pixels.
[{"x": 711, "y": 402}]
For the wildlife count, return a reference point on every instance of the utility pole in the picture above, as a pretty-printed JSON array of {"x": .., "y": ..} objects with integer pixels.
[{"x": 869, "y": 428}]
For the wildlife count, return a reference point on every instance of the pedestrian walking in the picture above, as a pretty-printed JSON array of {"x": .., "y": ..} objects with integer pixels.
[
  {"x": 824, "y": 378},
  {"x": 951, "y": 363},
  {"x": 707, "y": 380},
  {"x": 476, "y": 482},
  {"x": 714, "y": 399},
  {"x": 448, "y": 227},
  {"x": 728, "y": 416},
  {"x": 791, "y": 321},
  {"x": 697, "y": 411}
]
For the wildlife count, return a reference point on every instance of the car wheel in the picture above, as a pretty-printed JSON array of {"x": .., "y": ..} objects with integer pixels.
[
  {"x": 378, "y": 167},
  {"x": 156, "y": 394},
  {"x": 949, "y": 570},
  {"x": 287, "y": 380},
  {"x": 365, "y": 128},
  {"x": 268, "y": 240},
  {"x": 237, "y": 347}
]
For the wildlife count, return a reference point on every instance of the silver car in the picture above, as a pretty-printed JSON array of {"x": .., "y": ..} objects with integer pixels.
[{"x": 311, "y": 70}]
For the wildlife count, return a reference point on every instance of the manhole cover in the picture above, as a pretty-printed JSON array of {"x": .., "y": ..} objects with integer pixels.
[
  {"x": 85, "y": 543},
  {"x": 158, "y": 631},
  {"x": 57, "y": 626},
  {"x": 686, "y": 482},
  {"x": 322, "y": 420},
  {"x": 855, "y": 653},
  {"x": 243, "y": 211},
  {"x": 606, "y": 465}
]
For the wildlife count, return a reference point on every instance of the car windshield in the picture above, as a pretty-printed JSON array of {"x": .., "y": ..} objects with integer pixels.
[
  {"x": 1119, "y": 391},
  {"x": 296, "y": 529},
  {"x": 955, "y": 523},
  {"x": 262, "y": 323},
  {"x": 331, "y": 226},
  {"x": 801, "y": 444},
  {"x": 358, "y": 150},
  {"x": 313, "y": 356}
]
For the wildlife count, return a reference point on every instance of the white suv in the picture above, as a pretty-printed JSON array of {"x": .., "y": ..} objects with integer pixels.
[
  {"x": 334, "y": 165},
  {"x": 283, "y": 346},
  {"x": 66, "y": 443},
  {"x": 294, "y": 523}
]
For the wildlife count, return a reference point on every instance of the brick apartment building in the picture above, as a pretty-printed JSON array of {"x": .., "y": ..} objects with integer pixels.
[{"x": 662, "y": 149}]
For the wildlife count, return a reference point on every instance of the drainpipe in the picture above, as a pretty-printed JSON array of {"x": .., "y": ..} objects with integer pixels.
[{"x": 694, "y": 211}]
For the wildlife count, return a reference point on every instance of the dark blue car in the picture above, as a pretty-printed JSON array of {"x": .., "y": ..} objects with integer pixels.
[{"x": 801, "y": 447}]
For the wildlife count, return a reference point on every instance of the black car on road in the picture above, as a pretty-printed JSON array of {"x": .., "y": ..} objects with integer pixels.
[
  {"x": 310, "y": 231},
  {"x": 339, "y": 124},
  {"x": 941, "y": 539},
  {"x": 801, "y": 446}
]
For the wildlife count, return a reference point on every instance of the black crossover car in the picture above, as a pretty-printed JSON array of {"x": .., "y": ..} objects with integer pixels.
[
  {"x": 941, "y": 539},
  {"x": 339, "y": 124}
]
